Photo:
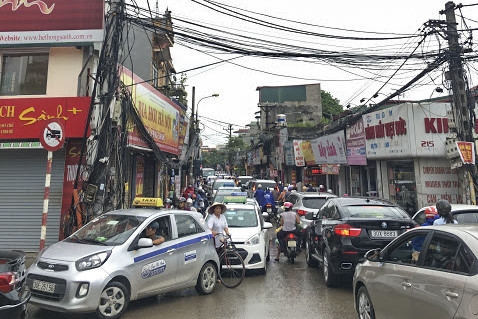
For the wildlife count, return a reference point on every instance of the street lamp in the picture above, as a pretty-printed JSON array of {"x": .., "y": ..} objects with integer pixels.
[{"x": 197, "y": 105}]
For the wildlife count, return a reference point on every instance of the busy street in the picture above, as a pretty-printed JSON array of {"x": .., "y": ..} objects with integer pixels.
[{"x": 293, "y": 289}]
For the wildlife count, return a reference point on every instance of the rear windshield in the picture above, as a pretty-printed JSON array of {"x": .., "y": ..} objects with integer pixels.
[
  {"x": 218, "y": 184},
  {"x": 375, "y": 212},
  {"x": 241, "y": 217},
  {"x": 266, "y": 184},
  {"x": 313, "y": 202},
  {"x": 466, "y": 217}
]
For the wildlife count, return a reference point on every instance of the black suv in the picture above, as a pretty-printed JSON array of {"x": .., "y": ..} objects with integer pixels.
[{"x": 345, "y": 228}]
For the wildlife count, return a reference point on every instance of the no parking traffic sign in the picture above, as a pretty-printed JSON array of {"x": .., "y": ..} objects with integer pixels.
[{"x": 52, "y": 135}]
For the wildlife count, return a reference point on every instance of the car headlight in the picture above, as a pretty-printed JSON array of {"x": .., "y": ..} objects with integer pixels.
[
  {"x": 93, "y": 261},
  {"x": 254, "y": 240}
]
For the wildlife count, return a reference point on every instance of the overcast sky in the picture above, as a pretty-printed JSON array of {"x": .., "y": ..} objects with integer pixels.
[{"x": 236, "y": 82}]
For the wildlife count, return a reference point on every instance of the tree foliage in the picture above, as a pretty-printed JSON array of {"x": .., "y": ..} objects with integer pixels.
[{"x": 330, "y": 106}]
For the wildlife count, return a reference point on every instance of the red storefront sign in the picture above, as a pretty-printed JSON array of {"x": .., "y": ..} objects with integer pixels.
[
  {"x": 24, "y": 118},
  {"x": 44, "y": 15}
]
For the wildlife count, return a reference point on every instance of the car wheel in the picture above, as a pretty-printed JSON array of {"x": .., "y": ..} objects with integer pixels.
[
  {"x": 329, "y": 277},
  {"x": 268, "y": 257},
  {"x": 311, "y": 262},
  {"x": 264, "y": 269},
  {"x": 113, "y": 301},
  {"x": 207, "y": 279},
  {"x": 364, "y": 304}
]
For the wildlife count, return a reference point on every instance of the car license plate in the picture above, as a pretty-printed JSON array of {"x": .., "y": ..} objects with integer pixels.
[
  {"x": 384, "y": 233},
  {"x": 291, "y": 243},
  {"x": 43, "y": 286}
]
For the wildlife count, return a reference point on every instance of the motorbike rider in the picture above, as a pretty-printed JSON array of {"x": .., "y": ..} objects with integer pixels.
[
  {"x": 288, "y": 221},
  {"x": 268, "y": 199},
  {"x": 444, "y": 209},
  {"x": 259, "y": 195}
]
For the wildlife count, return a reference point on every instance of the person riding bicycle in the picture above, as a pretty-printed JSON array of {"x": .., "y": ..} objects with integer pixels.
[
  {"x": 288, "y": 221},
  {"x": 217, "y": 223}
]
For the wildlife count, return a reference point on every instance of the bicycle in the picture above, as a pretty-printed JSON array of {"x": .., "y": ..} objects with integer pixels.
[{"x": 232, "y": 269}]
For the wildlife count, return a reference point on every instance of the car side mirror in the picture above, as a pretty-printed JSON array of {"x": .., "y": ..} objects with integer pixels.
[
  {"x": 373, "y": 255},
  {"x": 310, "y": 216},
  {"x": 145, "y": 243}
]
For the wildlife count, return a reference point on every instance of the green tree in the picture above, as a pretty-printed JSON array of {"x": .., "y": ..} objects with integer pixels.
[{"x": 330, "y": 106}]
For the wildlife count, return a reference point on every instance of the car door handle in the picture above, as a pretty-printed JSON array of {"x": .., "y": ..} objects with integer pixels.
[
  {"x": 451, "y": 294},
  {"x": 406, "y": 284}
]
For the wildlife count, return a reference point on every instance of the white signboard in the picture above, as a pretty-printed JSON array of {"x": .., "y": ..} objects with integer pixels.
[
  {"x": 299, "y": 157},
  {"x": 329, "y": 149}
]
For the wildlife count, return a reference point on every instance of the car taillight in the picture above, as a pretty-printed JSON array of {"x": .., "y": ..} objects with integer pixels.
[
  {"x": 290, "y": 236},
  {"x": 268, "y": 205},
  {"x": 347, "y": 230},
  {"x": 7, "y": 282},
  {"x": 301, "y": 212}
]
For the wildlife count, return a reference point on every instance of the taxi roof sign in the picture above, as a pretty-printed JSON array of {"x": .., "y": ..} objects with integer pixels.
[
  {"x": 148, "y": 202},
  {"x": 234, "y": 199}
]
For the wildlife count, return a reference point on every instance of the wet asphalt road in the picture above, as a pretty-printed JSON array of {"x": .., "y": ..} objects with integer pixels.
[{"x": 293, "y": 289}]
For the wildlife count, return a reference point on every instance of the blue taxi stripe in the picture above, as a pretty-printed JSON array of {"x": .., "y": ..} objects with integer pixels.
[{"x": 175, "y": 246}]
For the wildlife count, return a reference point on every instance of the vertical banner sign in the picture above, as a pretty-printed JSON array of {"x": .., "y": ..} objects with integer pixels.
[
  {"x": 299, "y": 157},
  {"x": 467, "y": 152}
]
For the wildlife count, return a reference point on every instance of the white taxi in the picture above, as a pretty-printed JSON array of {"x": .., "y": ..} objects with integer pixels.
[{"x": 109, "y": 262}]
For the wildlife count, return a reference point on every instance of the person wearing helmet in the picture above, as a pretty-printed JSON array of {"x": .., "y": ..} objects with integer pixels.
[
  {"x": 150, "y": 233},
  {"x": 259, "y": 195},
  {"x": 189, "y": 205},
  {"x": 182, "y": 203},
  {"x": 321, "y": 188},
  {"x": 444, "y": 209},
  {"x": 288, "y": 221}
]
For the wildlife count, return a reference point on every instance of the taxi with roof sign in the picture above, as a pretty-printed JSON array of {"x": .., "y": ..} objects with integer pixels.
[
  {"x": 249, "y": 231},
  {"x": 109, "y": 261}
]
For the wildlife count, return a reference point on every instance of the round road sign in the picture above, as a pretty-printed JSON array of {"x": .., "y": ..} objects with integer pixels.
[{"x": 52, "y": 135}]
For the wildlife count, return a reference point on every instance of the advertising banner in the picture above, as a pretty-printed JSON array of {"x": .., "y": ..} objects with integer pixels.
[
  {"x": 289, "y": 153},
  {"x": 329, "y": 149},
  {"x": 51, "y": 22},
  {"x": 306, "y": 149},
  {"x": 24, "y": 118},
  {"x": 467, "y": 152},
  {"x": 356, "y": 152},
  {"x": 160, "y": 115},
  {"x": 298, "y": 156},
  {"x": 437, "y": 180}
]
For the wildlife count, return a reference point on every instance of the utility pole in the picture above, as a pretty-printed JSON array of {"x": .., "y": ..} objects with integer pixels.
[
  {"x": 459, "y": 106},
  {"x": 192, "y": 138},
  {"x": 229, "y": 149}
]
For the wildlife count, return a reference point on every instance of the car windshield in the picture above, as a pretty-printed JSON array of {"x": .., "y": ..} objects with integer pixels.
[
  {"x": 375, "y": 211},
  {"x": 241, "y": 217},
  {"x": 108, "y": 229},
  {"x": 244, "y": 179},
  {"x": 208, "y": 172},
  {"x": 313, "y": 202}
]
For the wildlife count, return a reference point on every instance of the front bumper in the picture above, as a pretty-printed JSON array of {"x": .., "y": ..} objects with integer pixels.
[
  {"x": 253, "y": 255},
  {"x": 65, "y": 296}
]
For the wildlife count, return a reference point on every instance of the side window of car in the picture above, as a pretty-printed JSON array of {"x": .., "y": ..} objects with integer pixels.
[
  {"x": 408, "y": 250},
  {"x": 441, "y": 252},
  {"x": 187, "y": 225}
]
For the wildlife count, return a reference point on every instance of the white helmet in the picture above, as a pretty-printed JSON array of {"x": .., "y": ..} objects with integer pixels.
[
  {"x": 189, "y": 201},
  {"x": 259, "y": 186}
]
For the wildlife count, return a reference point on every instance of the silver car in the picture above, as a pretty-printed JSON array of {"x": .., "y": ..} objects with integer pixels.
[
  {"x": 109, "y": 262},
  {"x": 427, "y": 272}
]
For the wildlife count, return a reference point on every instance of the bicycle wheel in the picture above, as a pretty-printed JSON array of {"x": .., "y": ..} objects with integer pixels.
[{"x": 232, "y": 270}]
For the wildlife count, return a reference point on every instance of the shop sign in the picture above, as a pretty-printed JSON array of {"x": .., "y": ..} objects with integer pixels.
[
  {"x": 329, "y": 149},
  {"x": 298, "y": 155},
  {"x": 467, "y": 152},
  {"x": 55, "y": 23},
  {"x": 20, "y": 145},
  {"x": 24, "y": 118},
  {"x": 355, "y": 141},
  {"x": 332, "y": 169},
  {"x": 160, "y": 116},
  {"x": 289, "y": 153},
  {"x": 438, "y": 181}
]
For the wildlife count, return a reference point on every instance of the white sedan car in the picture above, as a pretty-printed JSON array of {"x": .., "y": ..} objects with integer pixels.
[
  {"x": 249, "y": 233},
  {"x": 109, "y": 262}
]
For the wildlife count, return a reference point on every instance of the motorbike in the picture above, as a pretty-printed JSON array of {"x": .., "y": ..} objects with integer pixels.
[
  {"x": 271, "y": 212},
  {"x": 291, "y": 242}
]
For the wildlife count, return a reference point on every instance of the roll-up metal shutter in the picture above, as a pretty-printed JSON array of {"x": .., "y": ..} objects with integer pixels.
[{"x": 22, "y": 189}]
